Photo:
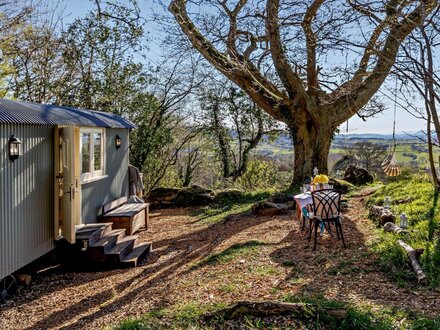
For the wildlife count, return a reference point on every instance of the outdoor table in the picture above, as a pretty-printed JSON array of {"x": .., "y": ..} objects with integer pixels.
[{"x": 302, "y": 200}]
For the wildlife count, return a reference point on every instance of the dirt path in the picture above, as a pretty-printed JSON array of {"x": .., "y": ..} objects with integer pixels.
[{"x": 282, "y": 263}]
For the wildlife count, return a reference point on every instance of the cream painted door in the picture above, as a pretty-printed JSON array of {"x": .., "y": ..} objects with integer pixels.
[{"x": 69, "y": 191}]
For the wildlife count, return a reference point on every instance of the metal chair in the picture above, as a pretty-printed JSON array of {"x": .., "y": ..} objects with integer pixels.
[{"x": 327, "y": 211}]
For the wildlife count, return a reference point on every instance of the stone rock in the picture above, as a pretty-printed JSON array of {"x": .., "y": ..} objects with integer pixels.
[
  {"x": 343, "y": 163},
  {"x": 229, "y": 194},
  {"x": 341, "y": 185},
  {"x": 357, "y": 175},
  {"x": 194, "y": 196},
  {"x": 281, "y": 198},
  {"x": 269, "y": 208},
  {"x": 163, "y": 194}
]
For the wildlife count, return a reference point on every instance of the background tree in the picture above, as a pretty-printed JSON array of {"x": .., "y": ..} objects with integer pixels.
[
  {"x": 279, "y": 53},
  {"x": 96, "y": 63},
  {"x": 192, "y": 157},
  {"x": 164, "y": 123},
  {"x": 367, "y": 155},
  {"x": 418, "y": 70},
  {"x": 235, "y": 123}
]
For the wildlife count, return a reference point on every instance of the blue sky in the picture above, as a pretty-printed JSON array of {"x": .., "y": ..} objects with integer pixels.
[{"x": 383, "y": 123}]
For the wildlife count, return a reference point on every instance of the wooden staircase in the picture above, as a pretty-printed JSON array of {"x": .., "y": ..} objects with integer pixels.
[{"x": 100, "y": 243}]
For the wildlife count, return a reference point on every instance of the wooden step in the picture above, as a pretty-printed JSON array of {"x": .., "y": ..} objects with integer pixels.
[
  {"x": 137, "y": 255},
  {"x": 107, "y": 242},
  {"x": 92, "y": 232},
  {"x": 122, "y": 249}
]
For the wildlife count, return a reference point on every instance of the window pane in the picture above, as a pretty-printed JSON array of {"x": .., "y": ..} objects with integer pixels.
[
  {"x": 97, "y": 141},
  {"x": 85, "y": 150}
]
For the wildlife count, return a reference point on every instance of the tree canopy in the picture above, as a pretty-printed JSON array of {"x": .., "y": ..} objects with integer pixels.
[{"x": 310, "y": 64}]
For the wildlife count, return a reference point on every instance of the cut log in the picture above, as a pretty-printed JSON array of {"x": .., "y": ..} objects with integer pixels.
[
  {"x": 393, "y": 228},
  {"x": 413, "y": 255},
  {"x": 404, "y": 200},
  {"x": 382, "y": 215},
  {"x": 265, "y": 308},
  {"x": 271, "y": 308}
]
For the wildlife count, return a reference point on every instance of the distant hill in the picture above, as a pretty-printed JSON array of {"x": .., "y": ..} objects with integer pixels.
[{"x": 385, "y": 136}]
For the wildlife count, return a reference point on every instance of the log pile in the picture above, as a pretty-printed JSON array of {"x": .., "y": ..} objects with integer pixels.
[
  {"x": 386, "y": 218},
  {"x": 390, "y": 227},
  {"x": 381, "y": 214}
]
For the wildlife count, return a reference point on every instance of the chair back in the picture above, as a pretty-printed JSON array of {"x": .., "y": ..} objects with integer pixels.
[{"x": 326, "y": 203}]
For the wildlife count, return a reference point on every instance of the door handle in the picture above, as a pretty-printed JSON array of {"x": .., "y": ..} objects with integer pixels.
[{"x": 71, "y": 192}]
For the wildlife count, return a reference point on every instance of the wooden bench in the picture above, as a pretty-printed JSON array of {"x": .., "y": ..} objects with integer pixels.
[{"x": 130, "y": 217}]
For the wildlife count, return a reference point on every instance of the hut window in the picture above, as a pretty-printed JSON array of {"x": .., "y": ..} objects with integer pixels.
[{"x": 92, "y": 154}]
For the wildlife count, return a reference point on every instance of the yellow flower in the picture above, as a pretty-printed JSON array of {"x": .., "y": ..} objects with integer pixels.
[{"x": 320, "y": 178}]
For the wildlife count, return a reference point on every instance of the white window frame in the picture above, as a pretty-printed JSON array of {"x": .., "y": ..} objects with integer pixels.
[{"x": 93, "y": 175}]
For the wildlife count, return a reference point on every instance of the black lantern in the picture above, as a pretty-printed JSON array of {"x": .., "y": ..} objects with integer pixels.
[
  {"x": 14, "y": 148},
  {"x": 118, "y": 141}
]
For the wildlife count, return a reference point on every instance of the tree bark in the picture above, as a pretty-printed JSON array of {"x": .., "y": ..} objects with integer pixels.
[{"x": 311, "y": 143}]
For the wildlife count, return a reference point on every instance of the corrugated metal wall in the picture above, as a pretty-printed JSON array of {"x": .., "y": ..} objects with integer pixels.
[
  {"x": 26, "y": 196},
  {"x": 97, "y": 193}
]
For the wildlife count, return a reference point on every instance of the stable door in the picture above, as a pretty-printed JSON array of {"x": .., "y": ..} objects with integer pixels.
[{"x": 68, "y": 203}]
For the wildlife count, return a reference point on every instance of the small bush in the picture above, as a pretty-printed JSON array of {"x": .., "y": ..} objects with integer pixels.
[{"x": 264, "y": 174}]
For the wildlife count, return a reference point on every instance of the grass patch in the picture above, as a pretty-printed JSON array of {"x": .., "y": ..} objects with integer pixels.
[
  {"x": 228, "y": 288},
  {"x": 215, "y": 213},
  {"x": 229, "y": 254},
  {"x": 190, "y": 316},
  {"x": 424, "y": 219},
  {"x": 263, "y": 270},
  {"x": 364, "y": 317}
]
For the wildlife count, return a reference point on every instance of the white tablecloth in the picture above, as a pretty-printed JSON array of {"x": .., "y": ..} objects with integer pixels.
[{"x": 303, "y": 199}]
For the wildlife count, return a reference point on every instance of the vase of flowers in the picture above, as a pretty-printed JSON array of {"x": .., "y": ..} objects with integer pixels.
[{"x": 321, "y": 179}]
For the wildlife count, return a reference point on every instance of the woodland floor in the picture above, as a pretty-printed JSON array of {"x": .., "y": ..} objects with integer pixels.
[{"x": 280, "y": 263}]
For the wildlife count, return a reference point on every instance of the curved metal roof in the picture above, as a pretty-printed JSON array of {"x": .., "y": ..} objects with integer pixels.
[{"x": 18, "y": 112}]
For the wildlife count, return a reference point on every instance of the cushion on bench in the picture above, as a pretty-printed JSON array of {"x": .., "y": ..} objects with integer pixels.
[{"x": 126, "y": 210}]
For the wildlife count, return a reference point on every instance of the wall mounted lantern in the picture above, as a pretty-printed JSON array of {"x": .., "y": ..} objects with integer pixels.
[
  {"x": 14, "y": 148},
  {"x": 118, "y": 141},
  {"x": 403, "y": 221}
]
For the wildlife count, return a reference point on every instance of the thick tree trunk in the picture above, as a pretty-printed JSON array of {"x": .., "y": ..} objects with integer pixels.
[{"x": 311, "y": 149}]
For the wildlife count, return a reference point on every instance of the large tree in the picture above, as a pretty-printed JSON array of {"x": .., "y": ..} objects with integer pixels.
[{"x": 311, "y": 64}]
